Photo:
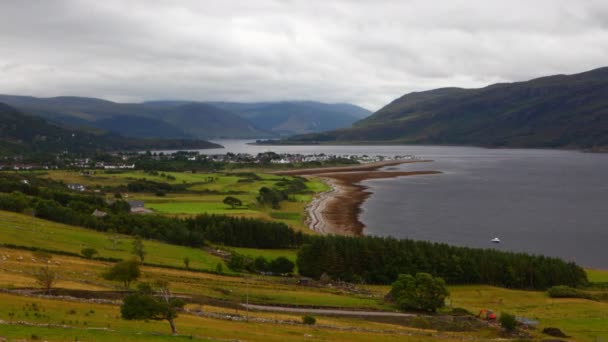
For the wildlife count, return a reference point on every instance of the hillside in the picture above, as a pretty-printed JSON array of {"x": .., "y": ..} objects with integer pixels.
[
  {"x": 297, "y": 117},
  {"x": 563, "y": 111},
  {"x": 203, "y": 120},
  {"x": 146, "y": 120},
  {"x": 20, "y": 133}
]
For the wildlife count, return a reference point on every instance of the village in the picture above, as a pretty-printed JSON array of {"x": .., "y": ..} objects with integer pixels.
[{"x": 129, "y": 160}]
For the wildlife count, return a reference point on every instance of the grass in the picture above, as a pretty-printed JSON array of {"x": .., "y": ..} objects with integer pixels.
[
  {"x": 31, "y": 232},
  {"x": 22, "y": 230},
  {"x": 71, "y": 321},
  {"x": 585, "y": 320},
  {"x": 597, "y": 276},
  {"x": 205, "y": 193},
  {"x": 253, "y": 253}
]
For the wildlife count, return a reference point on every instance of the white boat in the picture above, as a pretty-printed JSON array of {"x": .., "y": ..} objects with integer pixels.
[{"x": 495, "y": 240}]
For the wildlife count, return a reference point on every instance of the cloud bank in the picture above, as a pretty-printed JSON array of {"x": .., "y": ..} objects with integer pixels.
[{"x": 362, "y": 52}]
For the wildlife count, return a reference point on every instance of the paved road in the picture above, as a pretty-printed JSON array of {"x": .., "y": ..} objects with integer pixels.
[{"x": 334, "y": 312}]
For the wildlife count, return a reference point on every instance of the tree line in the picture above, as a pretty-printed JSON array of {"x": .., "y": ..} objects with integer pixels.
[
  {"x": 380, "y": 260},
  {"x": 76, "y": 209}
]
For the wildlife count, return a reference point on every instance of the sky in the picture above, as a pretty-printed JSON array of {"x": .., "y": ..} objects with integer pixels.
[{"x": 362, "y": 52}]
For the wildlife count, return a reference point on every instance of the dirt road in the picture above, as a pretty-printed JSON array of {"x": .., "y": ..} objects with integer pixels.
[{"x": 332, "y": 312}]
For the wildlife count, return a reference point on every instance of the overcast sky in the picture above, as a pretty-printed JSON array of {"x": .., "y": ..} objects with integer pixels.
[{"x": 362, "y": 52}]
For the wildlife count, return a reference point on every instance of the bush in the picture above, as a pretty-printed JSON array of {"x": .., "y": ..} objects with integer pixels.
[
  {"x": 563, "y": 291},
  {"x": 309, "y": 320},
  {"x": 422, "y": 292},
  {"x": 88, "y": 252},
  {"x": 281, "y": 265},
  {"x": 555, "y": 332},
  {"x": 507, "y": 321}
]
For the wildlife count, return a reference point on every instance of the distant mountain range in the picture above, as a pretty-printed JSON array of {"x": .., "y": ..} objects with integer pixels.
[
  {"x": 565, "y": 111},
  {"x": 25, "y": 134},
  {"x": 187, "y": 119},
  {"x": 296, "y": 117}
]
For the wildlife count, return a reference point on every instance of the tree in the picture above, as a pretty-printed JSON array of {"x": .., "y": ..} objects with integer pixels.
[
  {"x": 233, "y": 202},
  {"x": 138, "y": 249},
  {"x": 309, "y": 320},
  {"x": 281, "y": 265},
  {"x": 187, "y": 263},
  {"x": 422, "y": 292},
  {"x": 124, "y": 271},
  {"x": 88, "y": 252},
  {"x": 45, "y": 277},
  {"x": 507, "y": 321},
  {"x": 144, "y": 304},
  {"x": 260, "y": 264}
]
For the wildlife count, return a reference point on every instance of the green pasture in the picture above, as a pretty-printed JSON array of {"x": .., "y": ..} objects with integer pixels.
[
  {"x": 204, "y": 193},
  {"x": 27, "y": 231},
  {"x": 583, "y": 319}
]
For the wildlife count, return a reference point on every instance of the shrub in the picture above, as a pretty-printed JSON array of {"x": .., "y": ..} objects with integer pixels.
[
  {"x": 88, "y": 252},
  {"x": 507, "y": 321},
  {"x": 563, "y": 291},
  {"x": 309, "y": 320},
  {"x": 281, "y": 265},
  {"x": 555, "y": 332},
  {"x": 422, "y": 292}
]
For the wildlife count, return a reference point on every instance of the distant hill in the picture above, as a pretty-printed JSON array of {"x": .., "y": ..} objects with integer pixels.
[
  {"x": 150, "y": 120},
  {"x": 296, "y": 117},
  {"x": 566, "y": 111},
  {"x": 188, "y": 119},
  {"x": 20, "y": 133},
  {"x": 204, "y": 120}
]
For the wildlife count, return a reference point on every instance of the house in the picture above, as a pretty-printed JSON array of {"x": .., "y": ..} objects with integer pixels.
[
  {"x": 141, "y": 211},
  {"x": 135, "y": 204},
  {"x": 99, "y": 213},
  {"x": 76, "y": 187},
  {"x": 305, "y": 281}
]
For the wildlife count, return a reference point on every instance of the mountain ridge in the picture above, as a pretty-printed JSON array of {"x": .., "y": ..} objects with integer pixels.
[
  {"x": 565, "y": 111},
  {"x": 25, "y": 134},
  {"x": 192, "y": 119}
]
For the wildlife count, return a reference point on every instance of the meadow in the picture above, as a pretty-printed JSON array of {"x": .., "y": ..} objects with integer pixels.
[
  {"x": 204, "y": 192},
  {"x": 60, "y": 319}
]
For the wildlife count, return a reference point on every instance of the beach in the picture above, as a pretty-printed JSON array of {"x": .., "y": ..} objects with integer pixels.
[{"x": 337, "y": 210}]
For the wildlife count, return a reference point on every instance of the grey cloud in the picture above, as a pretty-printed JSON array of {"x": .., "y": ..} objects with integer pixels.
[{"x": 364, "y": 52}]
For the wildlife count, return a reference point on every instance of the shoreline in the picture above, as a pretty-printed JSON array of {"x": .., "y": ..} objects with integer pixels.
[{"x": 337, "y": 210}]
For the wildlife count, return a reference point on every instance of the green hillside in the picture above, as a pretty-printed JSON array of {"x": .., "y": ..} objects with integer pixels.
[
  {"x": 20, "y": 133},
  {"x": 142, "y": 120},
  {"x": 562, "y": 111}
]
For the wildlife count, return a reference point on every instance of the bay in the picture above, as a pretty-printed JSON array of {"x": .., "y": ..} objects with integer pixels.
[{"x": 550, "y": 202}]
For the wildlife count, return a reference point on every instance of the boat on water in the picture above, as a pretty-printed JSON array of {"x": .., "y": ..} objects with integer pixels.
[{"x": 495, "y": 240}]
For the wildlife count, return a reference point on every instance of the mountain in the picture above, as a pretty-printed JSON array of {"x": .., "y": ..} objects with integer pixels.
[
  {"x": 188, "y": 119},
  {"x": 204, "y": 120},
  {"x": 150, "y": 120},
  {"x": 296, "y": 117},
  {"x": 21, "y": 133},
  {"x": 140, "y": 127},
  {"x": 565, "y": 111}
]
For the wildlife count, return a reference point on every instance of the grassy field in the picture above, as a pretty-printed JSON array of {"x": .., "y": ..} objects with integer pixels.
[
  {"x": 22, "y": 230},
  {"x": 54, "y": 320},
  {"x": 63, "y": 320},
  {"x": 204, "y": 193},
  {"x": 597, "y": 276},
  {"x": 585, "y": 320}
]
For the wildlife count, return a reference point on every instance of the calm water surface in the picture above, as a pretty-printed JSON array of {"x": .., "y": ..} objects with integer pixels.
[{"x": 538, "y": 201}]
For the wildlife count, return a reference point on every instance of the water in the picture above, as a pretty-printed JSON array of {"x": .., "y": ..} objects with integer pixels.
[{"x": 538, "y": 201}]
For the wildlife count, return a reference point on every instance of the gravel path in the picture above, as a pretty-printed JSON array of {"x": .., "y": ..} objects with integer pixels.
[{"x": 338, "y": 312}]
